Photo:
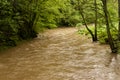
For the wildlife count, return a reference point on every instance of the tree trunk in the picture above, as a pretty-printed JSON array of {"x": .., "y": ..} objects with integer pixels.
[
  {"x": 91, "y": 33},
  {"x": 110, "y": 39},
  {"x": 82, "y": 15},
  {"x": 95, "y": 31}
]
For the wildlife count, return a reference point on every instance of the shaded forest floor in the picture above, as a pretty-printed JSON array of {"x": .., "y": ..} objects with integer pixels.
[{"x": 59, "y": 54}]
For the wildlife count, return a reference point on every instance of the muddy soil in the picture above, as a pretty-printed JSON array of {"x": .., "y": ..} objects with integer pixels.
[{"x": 59, "y": 54}]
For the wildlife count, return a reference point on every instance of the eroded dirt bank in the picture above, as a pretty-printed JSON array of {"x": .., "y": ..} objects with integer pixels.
[{"x": 59, "y": 54}]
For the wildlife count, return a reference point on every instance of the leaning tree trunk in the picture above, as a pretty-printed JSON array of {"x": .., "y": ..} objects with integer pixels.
[
  {"x": 83, "y": 17},
  {"x": 91, "y": 33},
  {"x": 110, "y": 39}
]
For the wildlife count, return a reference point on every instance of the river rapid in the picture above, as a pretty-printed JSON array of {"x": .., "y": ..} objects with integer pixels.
[{"x": 59, "y": 54}]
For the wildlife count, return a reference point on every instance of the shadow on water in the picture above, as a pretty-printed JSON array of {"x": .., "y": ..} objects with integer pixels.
[
  {"x": 115, "y": 63},
  {"x": 112, "y": 58}
]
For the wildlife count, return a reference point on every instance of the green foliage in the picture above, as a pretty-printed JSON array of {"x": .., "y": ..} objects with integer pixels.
[
  {"x": 79, "y": 24},
  {"x": 102, "y": 34},
  {"x": 84, "y": 31},
  {"x": 8, "y": 26},
  {"x": 14, "y": 23},
  {"x": 21, "y": 20}
]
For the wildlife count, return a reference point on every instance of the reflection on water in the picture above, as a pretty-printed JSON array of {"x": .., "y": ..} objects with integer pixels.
[{"x": 59, "y": 54}]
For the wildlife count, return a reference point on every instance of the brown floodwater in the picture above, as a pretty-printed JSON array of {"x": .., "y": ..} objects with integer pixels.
[{"x": 59, "y": 54}]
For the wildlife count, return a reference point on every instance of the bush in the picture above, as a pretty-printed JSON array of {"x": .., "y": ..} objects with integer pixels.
[{"x": 102, "y": 34}]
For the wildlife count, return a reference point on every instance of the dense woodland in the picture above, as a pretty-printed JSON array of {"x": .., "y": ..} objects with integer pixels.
[{"x": 24, "y": 19}]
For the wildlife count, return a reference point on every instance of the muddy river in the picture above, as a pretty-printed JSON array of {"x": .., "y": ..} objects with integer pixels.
[{"x": 59, "y": 54}]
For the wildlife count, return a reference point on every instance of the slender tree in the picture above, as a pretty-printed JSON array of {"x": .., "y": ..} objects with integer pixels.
[
  {"x": 81, "y": 11},
  {"x": 110, "y": 39},
  {"x": 95, "y": 31}
]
